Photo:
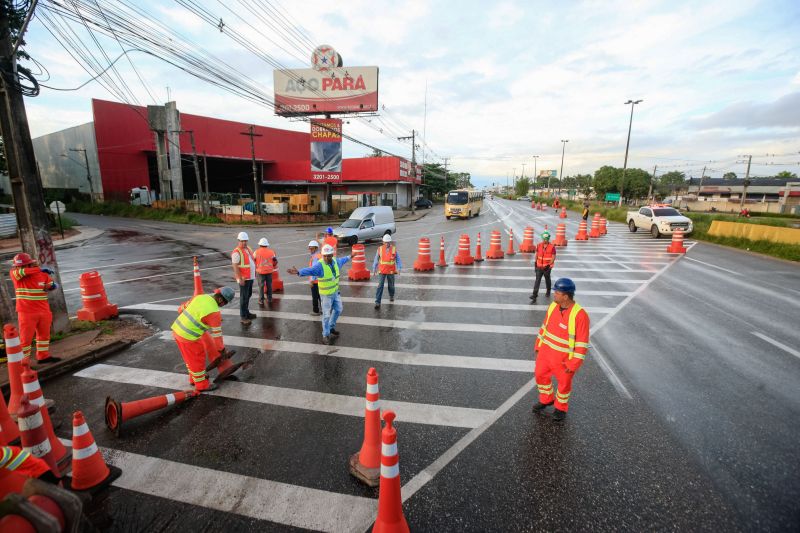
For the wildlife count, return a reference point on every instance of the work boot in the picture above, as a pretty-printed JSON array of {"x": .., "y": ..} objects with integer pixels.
[
  {"x": 334, "y": 333},
  {"x": 326, "y": 340},
  {"x": 539, "y": 407},
  {"x": 391, "y": 298},
  {"x": 48, "y": 360},
  {"x": 251, "y": 316},
  {"x": 547, "y": 294},
  {"x": 377, "y": 305},
  {"x": 559, "y": 415},
  {"x": 261, "y": 303},
  {"x": 205, "y": 386},
  {"x": 533, "y": 298},
  {"x": 246, "y": 321},
  {"x": 315, "y": 313}
]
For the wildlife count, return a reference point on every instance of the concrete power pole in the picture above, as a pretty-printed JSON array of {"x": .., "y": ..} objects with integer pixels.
[
  {"x": 652, "y": 180},
  {"x": 700, "y": 186},
  {"x": 173, "y": 136},
  {"x": 412, "y": 137},
  {"x": 251, "y": 132},
  {"x": 26, "y": 183},
  {"x": 200, "y": 195},
  {"x": 746, "y": 181}
]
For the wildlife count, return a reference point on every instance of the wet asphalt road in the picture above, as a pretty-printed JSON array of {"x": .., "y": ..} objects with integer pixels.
[{"x": 684, "y": 416}]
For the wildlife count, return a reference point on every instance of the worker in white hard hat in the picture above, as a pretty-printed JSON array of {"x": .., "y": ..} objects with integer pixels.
[
  {"x": 327, "y": 272},
  {"x": 266, "y": 263},
  {"x": 314, "y": 257},
  {"x": 244, "y": 271},
  {"x": 386, "y": 266}
]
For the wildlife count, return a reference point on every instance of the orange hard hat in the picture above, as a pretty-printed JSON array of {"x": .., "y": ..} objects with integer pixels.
[{"x": 22, "y": 259}]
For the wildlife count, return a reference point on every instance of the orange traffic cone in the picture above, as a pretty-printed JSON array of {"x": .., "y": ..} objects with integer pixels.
[
  {"x": 603, "y": 229},
  {"x": 33, "y": 434},
  {"x": 478, "y": 255},
  {"x": 527, "y": 246},
  {"x": 366, "y": 463},
  {"x": 561, "y": 235},
  {"x": 464, "y": 256},
  {"x": 277, "y": 282},
  {"x": 582, "y": 236},
  {"x": 442, "y": 262},
  {"x": 9, "y": 432},
  {"x": 676, "y": 246},
  {"x": 198, "y": 281},
  {"x": 510, "y": 250},
  {"x": 595, "y": 233},
  {"x": 495, "y": 246},
  {"x": 423, "y": 262},
  {"x": 32, "y": 388},
  {"x": 89, "y": 470},
  {"x": 563, "y": 213},
  {"x": 95, "y": 302},
  {"x": 117, "y": 413},
  {"x": 358, "y": 272},
  {"x": 390, "y": 504},
  {"x": 533, "y": 205},
  {"x": 15, "y": 357}
]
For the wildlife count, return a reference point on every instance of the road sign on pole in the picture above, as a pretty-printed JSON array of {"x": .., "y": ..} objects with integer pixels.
[{"x": 612, "y": 197}]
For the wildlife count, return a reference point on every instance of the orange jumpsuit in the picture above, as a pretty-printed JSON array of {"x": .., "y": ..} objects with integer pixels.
[
  {"x": 33, "y": 310},
  {"x": 209, "y": 344},
  {"x": 557, "y": 352}
]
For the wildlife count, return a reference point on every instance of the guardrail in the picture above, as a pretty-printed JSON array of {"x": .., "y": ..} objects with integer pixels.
[{"x": 754, "y": 232}]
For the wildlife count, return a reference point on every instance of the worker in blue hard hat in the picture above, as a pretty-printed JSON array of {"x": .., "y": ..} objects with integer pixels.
[
  {"x": 560, "y": 349},
  {"x": 329, "y": 239}
]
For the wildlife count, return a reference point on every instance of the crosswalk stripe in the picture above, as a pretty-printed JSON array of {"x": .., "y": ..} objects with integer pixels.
[
  {"x": 420, "y": 413},
  {"x": 562, "y": 269},
  {"x": 522, "y": 290},
  {"x": 526, "y": 278}
]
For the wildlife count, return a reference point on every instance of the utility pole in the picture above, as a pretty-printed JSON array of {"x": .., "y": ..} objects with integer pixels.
[
  {"x": 413, "y": 163},
  {"x": 252, "y": 134},
  {"x": 652, "y": 180},
  {"x": 446, "y": 181},
  {"x": 561, "y": 172},
  {"x": 88, "y": 174},
  {"x": 534, "y": 174},
  {"x": 627, "y": 146},
  {"x": 26, "y": 183},
  {"x": 205, "y": 178},
  {"x": 200, "y": 194},
  {"x": 746, "y": 181},
  {"x": 700, "y": 186}
]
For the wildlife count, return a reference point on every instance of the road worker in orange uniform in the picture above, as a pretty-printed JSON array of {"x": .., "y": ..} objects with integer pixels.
[
  {"x": 560, "y": 349},
  {"x": 545, "y": 259},
  {"x": 20, "y": 461},
  {"x": 31, "y": 284},
  {"x": 199, "y": 316},
  {"x": 330, "y": 239},
  {"x": 266, "y": 261},
  {"x": 387, "y": 264}
]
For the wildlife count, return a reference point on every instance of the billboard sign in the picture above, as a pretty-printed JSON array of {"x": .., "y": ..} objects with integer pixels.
[
  {"x": 326, "y": 150},
  {"x": 548, "y": 173},
  {"x": 309, "y": 91}
]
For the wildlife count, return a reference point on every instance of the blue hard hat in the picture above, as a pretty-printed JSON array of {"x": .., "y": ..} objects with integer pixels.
[
  {"x": 564, "y": 285},
  {"x": 329, "y": 231},
  {"x": 226, "y": 293}
]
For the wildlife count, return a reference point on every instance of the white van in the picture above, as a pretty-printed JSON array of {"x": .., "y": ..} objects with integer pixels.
[{"x": 366, "y": 223}]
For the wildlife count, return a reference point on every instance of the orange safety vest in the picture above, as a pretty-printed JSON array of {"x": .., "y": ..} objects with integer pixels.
[
  {"x": 388, "y": 259},
  {"x": 265, "y": 260},
  {"x": 244, "y": 261},
  {"x": 545, "y": 255},
  {"x": 30, "y": 288},
  {"x": 315, "y": 257},
  {"x": 16, "y": 459},
  {"x": 330, "y": 239}
]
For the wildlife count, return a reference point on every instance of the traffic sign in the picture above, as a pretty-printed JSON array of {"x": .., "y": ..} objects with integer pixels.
[
  {"x": 612, "y": 197},
  {"x": 57, "y": 207}
]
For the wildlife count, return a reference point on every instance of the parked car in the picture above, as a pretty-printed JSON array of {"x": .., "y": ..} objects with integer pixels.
[
  {"x": 366, "y": 223},
  {"x": 524, "y": 198},
  {"x": 658, "y": 219},
  {"x": 423, "y": 202}
]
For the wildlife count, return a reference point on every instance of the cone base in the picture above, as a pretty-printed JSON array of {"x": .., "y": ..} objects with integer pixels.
[
  {"x": 527, "y": 250},
  {"x": 369, "y": 476},
  {"x": 463, "y": 261},
  {"x": 358, "y": 276},
  {"x": 423, "y": 267},
  {"x": 113, "y": 474},
  {"x": 495, "y": 255},
  {"x": 441, "y": 264},
  {"x": 581, "y": 238},
  {"x": 477, "y": 259},
  {"x": 671, "y": 250},
  {"x": 511, "y": 253},
  {"x": 96, "y": 315}
]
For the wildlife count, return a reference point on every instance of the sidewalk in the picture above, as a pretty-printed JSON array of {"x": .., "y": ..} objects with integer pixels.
[{"x": 82, "y": 233}]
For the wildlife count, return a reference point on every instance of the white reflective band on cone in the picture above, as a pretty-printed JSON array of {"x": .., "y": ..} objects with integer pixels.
[
  {"x": 38, "y": 402},
  {"x": 31, "y": 387},
  {"x": 372, "y": 389},
  {"x": 83, "y": 453},
  {"x": 90, "y": 296},
  {"x": 12, "y": 342},
  {"x": 32, "y": 422},
  {"x": 170, "y": 399},
  {"x": 390, "y": 471},
  {"x": 39, "y": 450},
  {"x": 77, "y": 431},
  {"x": 389, "y": 450},
  {"x": 373, "y": 406}
]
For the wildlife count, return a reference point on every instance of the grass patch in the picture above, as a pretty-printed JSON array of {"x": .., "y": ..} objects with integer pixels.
[
  {"x": 120, "y": 209},
  {"x": 80, "y": 326}
]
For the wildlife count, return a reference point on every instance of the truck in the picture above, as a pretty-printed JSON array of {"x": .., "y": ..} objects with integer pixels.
[
  {"x": 141, "y": 196},
  {"x": 658, "y": 220}
]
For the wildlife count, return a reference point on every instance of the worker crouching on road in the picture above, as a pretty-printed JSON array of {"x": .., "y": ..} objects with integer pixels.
[
  {"x": 545, "y": 259},
  {"x": 327, "y": 272},
  {"x": 314, "y": 256},
  {"x": 560, "y": 348},
  {"x": 31, "y": 285},
  {"x": 244, "y": 271},
  {"x": 266, "y": 262},
  {"x": 201, "y": 315},
  {"x": 386, "y": 265}
]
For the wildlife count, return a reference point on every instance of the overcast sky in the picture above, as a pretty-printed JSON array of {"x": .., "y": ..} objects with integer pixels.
[{"x": 505, "y": 80}]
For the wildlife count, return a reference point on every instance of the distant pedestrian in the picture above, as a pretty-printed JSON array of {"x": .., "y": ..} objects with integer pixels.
[
  {"x": 31, "y": 285},
  {"x": 266, "y": 262},
  {"x": 560, "y": 349},
  {"x": 545, "y": 259},
  {"x": 585, "y": 214},
  {"x": 314, "y": 257},
  {"x": 244, "y": 271},
  {"x": 327, "y": 272},
  {"x": 386, "y": 266}
]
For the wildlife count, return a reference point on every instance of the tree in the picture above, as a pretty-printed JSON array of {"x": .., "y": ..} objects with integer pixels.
[
  {"x": 637, "y": 183},
  {"x": 584, "y": 184},
  {"x": 606, "y": 179},
  {"x": 434, "y": 178},
  {"x": 462, "y": 180},
  {"x": 522, "y": 186},
  {"x": 569, "y": 182},
  {"x": 670, "y": 181},
  {"x": 785, "y": 174},
  {"x": 729, "y": 176}
]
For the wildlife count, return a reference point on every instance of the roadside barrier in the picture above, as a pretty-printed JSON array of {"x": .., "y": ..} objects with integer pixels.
[
  {"x": 423, "y": 262},
  {"x": 527, "y": 246},
  {"x": 478, "y": 254},
  {"x": 603, "y": 229},
  {"x": 442, "y": 262},
  {"x": 563, "y": 213},
  {"x": 561, "y": 235},
  {"x": 495, "y": 246},
  {"x": 582, "y": 236},
  {"x": 510, "y": 250},
  {"x": 365, "y": 464},
  {"x": 390, "y": 504},
  {"x": 33, "y": 389},
  {"x": 33, "y": 433},
  {"x": 117, "y": 413},
  {"x": 198, "y": 281},
  {"x": 15, "y": 357},
  {"x": 595, "y": 233},
  {"x": 676, "y": 246},
  {"x": 464, "y": 256},
  {"x": 89, "y": 469},
  {"x": 95, "y": 302},
  {"x": 359, "y": 270}
]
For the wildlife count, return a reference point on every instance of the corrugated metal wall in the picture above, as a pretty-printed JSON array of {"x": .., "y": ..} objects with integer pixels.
[{"x": 62, "y": 169}]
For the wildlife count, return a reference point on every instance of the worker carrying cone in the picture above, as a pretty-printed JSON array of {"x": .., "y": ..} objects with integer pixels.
[
  {"x": 31, "y": 285},
  {"x": 201, "y": 315},
  {"x": 390, "y": 503},
  {"x": 366, "y": 463},
  {"x": 495, "y": 246},
  {"x": 118, "y": 412},
  {"x": 89, "y": 469}
]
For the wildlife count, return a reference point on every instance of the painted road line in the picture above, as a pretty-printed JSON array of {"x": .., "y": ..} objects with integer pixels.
[
  {"x": 420, "y": 413},
  {"x": 164, "y": 260},
  {"x": 713, "y": 266},
  {"x": 775, "y": 343},
  {"x": 362, "y": 321},
  {"x": 518, "y": 290},
  {"x": 107, "y": 283},
  {"x": 383, "y": 356},
  {"x": 525, "y": 278},
  {"x": 560, "y": 269}
]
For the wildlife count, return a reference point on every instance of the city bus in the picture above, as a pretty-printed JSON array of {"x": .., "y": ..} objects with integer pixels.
[{"x": 463, "y": 203}]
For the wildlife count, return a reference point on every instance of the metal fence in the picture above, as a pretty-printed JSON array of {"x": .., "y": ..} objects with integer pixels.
[{"x": 8, "y": 225}]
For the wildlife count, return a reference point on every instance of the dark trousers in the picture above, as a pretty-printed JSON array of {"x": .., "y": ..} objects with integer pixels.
[
  {"x": 539, "y": 273},
  {"x": 381, "y": 279},
  {"x": 245, "y": 292},
  {"x": 264, "y": 280},
  {"x": 315, "y": 297}
]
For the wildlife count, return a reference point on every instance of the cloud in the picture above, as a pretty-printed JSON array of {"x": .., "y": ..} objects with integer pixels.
[{"x": 781, "y": 113}]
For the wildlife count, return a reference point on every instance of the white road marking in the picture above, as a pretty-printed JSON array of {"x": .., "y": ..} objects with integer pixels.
[
  {"x": 107, "y": 283},
  {"x": 165, "y": 260},
  {"x": 780, "y": 345},
  {"x": 557, "y": 268},
  {"x": 476, "y": 288},
  {"x": 419, "y": 413},
  {"x": 713, "y": 266},
  {"x": 525, "y": 278}
]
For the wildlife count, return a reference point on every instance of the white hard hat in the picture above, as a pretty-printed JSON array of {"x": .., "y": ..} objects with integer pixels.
[
  {"x": 327, "y": 250},
  {"x": 243, "y": 236},
  {"x": 387, "y": 238},
  {"x": 263, "y": 242},
  {"x": 313, "y": 244}
]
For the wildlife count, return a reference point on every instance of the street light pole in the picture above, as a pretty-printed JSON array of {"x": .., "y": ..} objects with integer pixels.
[
  {"x": 534, "y": 174},
  {"x": 627, "y": 146},
  {"x": 561, "y": 174}
]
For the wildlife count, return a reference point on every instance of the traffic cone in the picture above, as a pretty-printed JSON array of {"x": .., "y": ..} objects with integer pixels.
[
  {"x": 527, "y": 246},
  {"x": 582, "y": 236},
  {"x": 510, "y": 250},
  {"x": 595, "y": 233},
  {"x": 33, "y": 434},
  {"x": 423, "y": 262},
  {"x": 117, "y": 413},
  {"x": 561, "y": 235},
  {"x": 495, "y": 246},
  {"x": 358, "y": 272},
  {"x": 15, "y": 357},
  {"x": 533, "y": 205},
  {"x": 277, "y": 282},
  {"x": 478, "y": 255},
  {"x": 442, "y": 262},
  {"x": 464, "y": 256},
  {"x": 9, "y": 432},
  {"x": 676, "y": 246},
  {"x": 603, "y": 229},
  {"x": 32, "y": 388},
  {"x": 198, "y": 281},
  {"x": 366, "y": 463},
  {"x": 563, "y": 213},
  {"x": 89, "y": 470},
  {"x": 95, "y": 302},
  {"x": 390, "y": 504}
]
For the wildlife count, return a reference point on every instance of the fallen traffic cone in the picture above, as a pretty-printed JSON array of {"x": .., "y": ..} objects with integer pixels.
[
  {"x": 676, "y": 246},
  {"x": 510, "y": 250},
  {"x": 495, "y": 246},
  {"x": 89, "y": 469},
  {"x": 527, "y": 246},
  {"x": 366, "y": 463},
  {"x": 15, "y": 357},
  {"x": 32, "y": 388},
  {"x": 423, "y": 262},
  {"x": 33, "y": 434},
  {"x": 563, "y": 213},
  {"x": 464, "y": 256},
  {"x": 95, "y": 302},
  {"x": 358, "y": 272},
  {"x": 9, "y": 432},
  {"x": 198, "y": 281},
  {"x": 582, "y": 236},
  {"x": 603, "y": 229},
  {"x": 442, "y": 262},
  {"x": 390, "y": 504},
  {"x": 595, "y": 233},
  {"x": 117, "y": 413},
  {"x": 478, "y": 255},
  {"x": 561, "y": 235},
  {"x": 277, "y": 282}
]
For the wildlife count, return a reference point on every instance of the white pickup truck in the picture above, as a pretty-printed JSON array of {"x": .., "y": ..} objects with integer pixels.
[{"x": 658, "y": 220}]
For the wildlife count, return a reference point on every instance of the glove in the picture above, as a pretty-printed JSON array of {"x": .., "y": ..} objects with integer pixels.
[
  {"x": 274, "y": 261},
  {"x": 47, "y": 271},
  {"x": 53, "y": 287}
]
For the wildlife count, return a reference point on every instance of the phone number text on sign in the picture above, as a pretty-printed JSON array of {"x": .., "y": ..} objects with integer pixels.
[{"x": 333, "y": 177}]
